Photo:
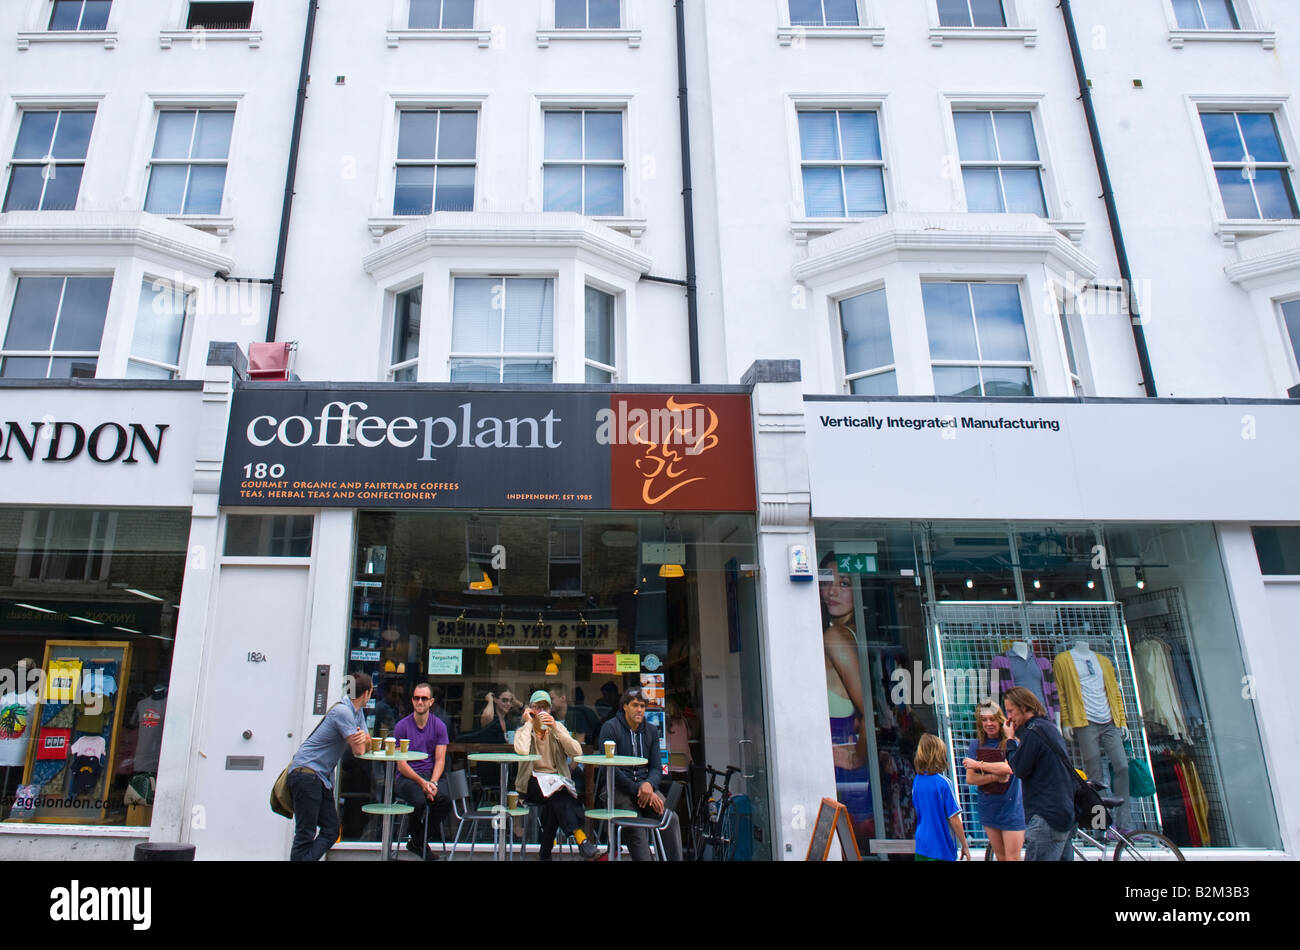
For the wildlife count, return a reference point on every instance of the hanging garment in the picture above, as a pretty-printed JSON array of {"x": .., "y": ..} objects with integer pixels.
[
  {"x": 1200, "y": 805},
  {"x": 1193, "y": 828},
  {"x": 1187, "y": 693},
  {"x": 1067, "y": 682},
  {"x": 1034, "y": 674},
  {"x": 1157, "y": 687},
  {"x": 1172, "y": 811}
]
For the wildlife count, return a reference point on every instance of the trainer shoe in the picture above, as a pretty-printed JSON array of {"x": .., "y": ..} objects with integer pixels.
[{"x": 588, "y": 849}]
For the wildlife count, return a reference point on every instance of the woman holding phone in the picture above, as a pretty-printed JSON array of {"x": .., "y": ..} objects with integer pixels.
[{"x": 1001, "y": 811}]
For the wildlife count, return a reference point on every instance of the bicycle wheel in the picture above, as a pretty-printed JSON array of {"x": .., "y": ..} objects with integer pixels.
[
  {"x": 724, "y": 843},
  {"x": 1147, "y": 846},
  {"x": 700, "y": 830}
]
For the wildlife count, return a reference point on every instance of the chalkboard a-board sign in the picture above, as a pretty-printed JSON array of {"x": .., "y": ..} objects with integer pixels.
[{"x": 833, "y": 818}]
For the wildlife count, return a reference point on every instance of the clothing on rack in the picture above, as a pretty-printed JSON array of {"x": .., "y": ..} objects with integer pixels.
[
  {"x": 1158, "y": 688},
  {"x": 1187, "y": 693},
  {"x": 1034, "y": 673}
]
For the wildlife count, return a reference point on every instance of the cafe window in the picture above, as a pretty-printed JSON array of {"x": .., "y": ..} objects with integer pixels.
[{"x": 268, "y": 535}]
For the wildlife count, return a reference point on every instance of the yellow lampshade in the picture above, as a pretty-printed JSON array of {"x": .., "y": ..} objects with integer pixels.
[
  {"x": 493, "y": 649},
  {"x": 672, "y": 570},
  {"x": 552, "y": 669},
  {"x": 555, "y": 658},
  {"x": 484, "y": 584}
]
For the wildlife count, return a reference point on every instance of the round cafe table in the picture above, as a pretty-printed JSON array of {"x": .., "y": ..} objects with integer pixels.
[
  {"x": 505, "y": 760},
  {"x": 388, "y": 809},
  {"x": 609, "y": 814}
]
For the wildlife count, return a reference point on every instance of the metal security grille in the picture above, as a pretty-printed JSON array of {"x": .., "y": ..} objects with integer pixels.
[{"x": 970, "y": 635}]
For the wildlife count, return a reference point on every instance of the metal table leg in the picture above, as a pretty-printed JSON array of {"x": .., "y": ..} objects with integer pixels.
[
  {"x": 502, "y": 817},
  {"x": 388, "y": 819}
]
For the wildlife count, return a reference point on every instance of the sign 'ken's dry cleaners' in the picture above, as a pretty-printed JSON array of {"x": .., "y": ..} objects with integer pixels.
[{"x": 434, "y": 448}]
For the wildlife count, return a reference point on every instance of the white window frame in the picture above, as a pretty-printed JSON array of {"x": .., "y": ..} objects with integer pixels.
[
  {"x": 252, "y": 560},
  {"x": 551, "y": 356},
  {"x": 797, "y": 35},
  {"x": 66, "y": 273},
  {"x": 36, "y": 28},
  {"x": 1032, "y": 103},
  {"x": 400, "y": 31},
  {"x": 802, "y": 226},
  {"x": 190, "y": 161},
  {"x": 435, "y": 162},
  {"x": 220, "y": 224},
  {"x": 391, "y": 369},
  {"x": 632, "y": 222},
  {"x": 30, "y": 106},
  {"x": 180, "y": 35},
  {"x": 1018, "y": 27},
  {"x": 1030, "y": 364},
  {"x": 1290, "y": 347},
  {"x": 160, "y": 284},
  {"x": 1251, "y": 28},
  {"x": 837, "y": 337},
  {"x": 843, "y": 163},
  {"x": 30, "y": 547},
  {"x": 629, "y": 30},
  {"x": 1230, "y": 230},
  {"x": 615, "y": 321}
]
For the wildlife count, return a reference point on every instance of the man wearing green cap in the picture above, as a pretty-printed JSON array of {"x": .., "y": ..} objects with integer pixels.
[{"x": 547, "y": 783}]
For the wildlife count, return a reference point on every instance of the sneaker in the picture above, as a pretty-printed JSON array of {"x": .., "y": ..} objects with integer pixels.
[{"x": 587, "y": 849}]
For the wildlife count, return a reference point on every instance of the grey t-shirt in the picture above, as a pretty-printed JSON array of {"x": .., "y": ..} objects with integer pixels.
[
  {"x": 324, "y": 747},
  {"x": 149, "y": 713},
  {"x": 1027, "y": 673}
]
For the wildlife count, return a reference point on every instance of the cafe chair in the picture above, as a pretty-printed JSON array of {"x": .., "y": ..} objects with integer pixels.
[
  {"x": 655, "y": 826},
  {"x": 458, "y": 789}
]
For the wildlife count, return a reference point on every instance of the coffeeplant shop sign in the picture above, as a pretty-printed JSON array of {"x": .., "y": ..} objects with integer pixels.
[{"x": 445, "y": 448}]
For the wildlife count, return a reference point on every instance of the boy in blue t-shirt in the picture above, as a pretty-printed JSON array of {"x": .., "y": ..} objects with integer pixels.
[{"x": 938, "y": 816}]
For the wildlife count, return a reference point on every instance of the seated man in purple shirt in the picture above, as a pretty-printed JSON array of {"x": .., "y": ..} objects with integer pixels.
[{"x": 417, "y": 782}]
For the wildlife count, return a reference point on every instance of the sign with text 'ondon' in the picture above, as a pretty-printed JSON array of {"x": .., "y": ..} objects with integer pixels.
[{"x": 440, "y": 448}]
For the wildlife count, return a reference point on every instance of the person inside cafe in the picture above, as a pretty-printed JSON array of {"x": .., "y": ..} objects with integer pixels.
[
  {"x": 581, "y": 721},
  {"x": 548, "y": 783},
  {"x": 417, "y": 782},
  {"x": 500, "y": 715},
  {"x": 638, "y": 787}
]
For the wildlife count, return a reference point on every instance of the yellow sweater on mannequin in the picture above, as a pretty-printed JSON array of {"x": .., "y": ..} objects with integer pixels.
[{"x": 1071, "y": 692}]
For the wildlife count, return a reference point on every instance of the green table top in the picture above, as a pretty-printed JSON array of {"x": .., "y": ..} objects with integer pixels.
[
  {"x": 394, "y": 809},
  {"x": 502, "y": 757},
  {"x": 620, "y": 760},
  {"x": 609, "y": 814},
  {"x": 395, "y": 757}
]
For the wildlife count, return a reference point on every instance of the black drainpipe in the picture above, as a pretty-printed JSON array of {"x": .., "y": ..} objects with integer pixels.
[
  {"x": 295, "y": 140},
  {"x": 688, "y": 207},
  {"x": 1108, "y": 196}
]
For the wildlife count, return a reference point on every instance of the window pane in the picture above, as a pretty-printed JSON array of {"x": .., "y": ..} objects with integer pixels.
[
  {"x": 35, "y": 135},
  {"x": 882, "y": 384},
  {"x": 457, "y": 14},
  {"x": 457, "y": 134},
  {"x": 1000, "y": 322},
  {"x": 823, "y": 193},
  {"x": 1024, "y": 191},
  {"x": 66, "y": 15},
  {"x": 603, "y": 190},
  {"x": 206, "y": 185},
  {"x": 175, "y": 129},
  {"x": 424, "y": 14},
  {"x": 571, "y": 14},
  {"x": 31, "y": 321},
  {"x": 212, "y": 140},
  {"x": 517, "y": 371},
  {"x": 1069, "y": 341},
  {"x": 564, "y": 135},
  {"x": 62, "y": 187},
  {"x": 841, "y": 12},
  {"x": 475, "y": 371},
  {"x": 406, "y": 325},
  {"x": 1016, "y": 137},
  {"x": 948, "y": 322},
  {"x": 416, "y": 135},
  {"x": 562, "y": 188},
  {"x": 983, "y": 191},
  {"x": 603, "y": 14},
  {"x": 529, "y": 315},
  {"x": 817, "y": 138},
  {"x": 1291, "y": 317},
  {"x": 413, "y": 193},
  {"x": 975, "y": 139},
  {"x": 595, "y": 375},
  {"x": 455, "y": 189},
  {"x": 1261, "y": 136},
  {"x": 1278, "y": 550},
  {"x": 76, "y": 367},
  {"x": 988, "y": 13},
  {"x": 1272, "y": 187},
  {"x": 599, "y": 326},
  {"x": 159, "y": 324},
  {"x": 476, "y": 315},
  {"x": 25, "y": 367},
  {"x": 957, "y": 381},
  {"x": 81, "y": 318},
  {"x": 1238, "y": 198},
  {"x": 805, "y": 13},
  {"x": 1222, "y": 136},
  {"x": 268, "y": 535},
  {"x": 1006, "y": 381},
  {"x": 1188, "y": 14},
  {"x": 166, "y": 189},
  {"x": 861, "y": 135},
  {"x": 136, "y": 370},
  {"x": 604, "y": 136},
  {"x": 406, "y": 375},
  {"x": 954, "y": 13},
  {"x": 865, "y": 190},
  {"x": 1219, "y": 14},
  {"x": 73, "y": 135},
  {"x": 864, "y": 321},
  {"x": 25, "y": 185}
]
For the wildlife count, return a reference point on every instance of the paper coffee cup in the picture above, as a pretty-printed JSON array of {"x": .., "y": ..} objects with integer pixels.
[
  {"x": 376, "y": 744},
  {"x": 390, "y": 745},
  {"x": 406, "y": 745},
  {"x": 609, "y": 748},
  {"x": 512, "y": 799}
]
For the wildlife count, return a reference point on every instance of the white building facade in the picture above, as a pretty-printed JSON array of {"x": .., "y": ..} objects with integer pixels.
[{"x": 896, "y": 329}]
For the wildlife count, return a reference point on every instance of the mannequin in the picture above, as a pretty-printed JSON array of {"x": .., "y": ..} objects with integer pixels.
[
  {"x": 1092, "y": 714},
  {"x": 1019, "y": 667},
  {"x": 148, "y": 718}
]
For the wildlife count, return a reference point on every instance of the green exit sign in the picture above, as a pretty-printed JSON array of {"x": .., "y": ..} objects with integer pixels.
[{"x": 856, "y": 563}]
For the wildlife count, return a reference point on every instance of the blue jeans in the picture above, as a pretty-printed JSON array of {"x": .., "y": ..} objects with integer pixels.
[
  {"x": 313, "y": 808},
  {"x": 1045, "y": 843}
]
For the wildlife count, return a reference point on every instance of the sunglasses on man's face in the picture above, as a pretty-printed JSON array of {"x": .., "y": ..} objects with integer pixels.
[{"x": 421, "y": 699}]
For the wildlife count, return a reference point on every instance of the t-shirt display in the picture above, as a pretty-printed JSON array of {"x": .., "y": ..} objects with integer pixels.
[
  {"x": 16, "y": 712},
  {"x": 149, "y": 713}
]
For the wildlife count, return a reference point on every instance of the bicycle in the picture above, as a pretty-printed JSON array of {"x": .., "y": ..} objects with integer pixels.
[
  {"x": 1140, "y": 844},
  {"x": 713, "y": 827}
]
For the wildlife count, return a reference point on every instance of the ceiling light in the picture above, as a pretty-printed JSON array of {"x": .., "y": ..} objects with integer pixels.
[
  {"x": 969, "y": 583},
  {"x": 484, "y": 584},
  {"x": 98, "y": 623},
  {"x": 672, "y": 570},
  {"x": 552, "y": 669},
  {"x": 493, "y": 649},
  {"x": 136, "y": 632},
  {"x": 140, "y": 593},
  {"x": 44, "y": 610}
]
